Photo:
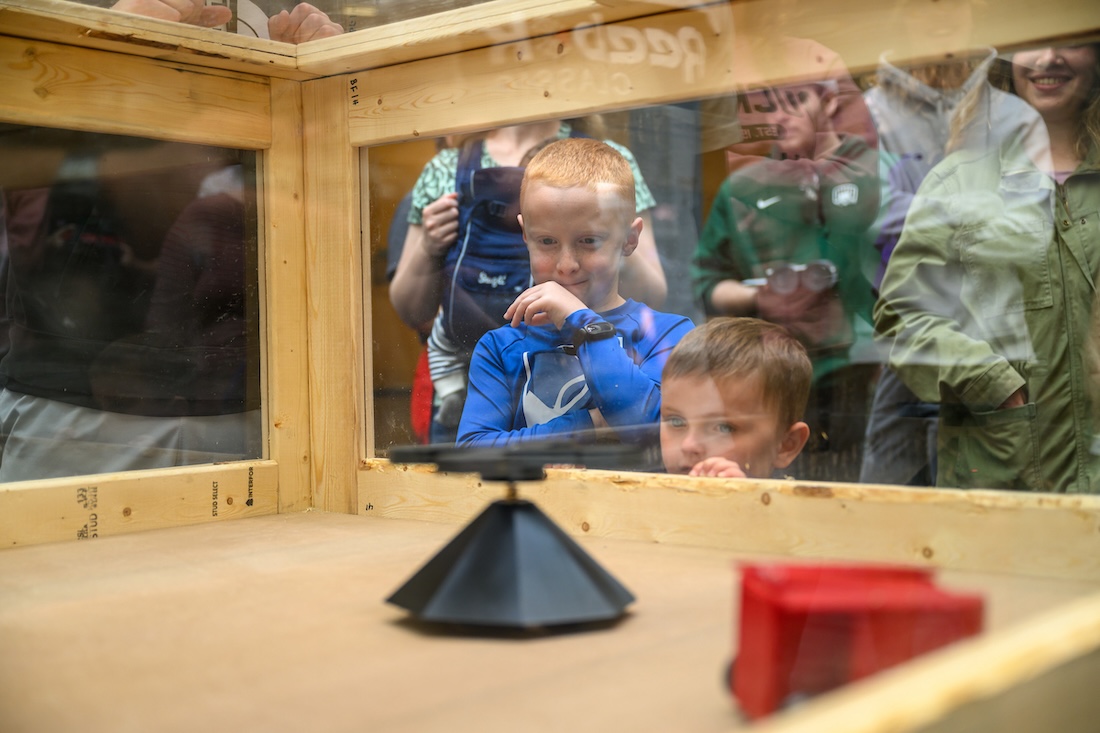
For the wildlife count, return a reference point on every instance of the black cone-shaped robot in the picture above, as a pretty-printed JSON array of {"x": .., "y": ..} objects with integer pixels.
[{"x": 512, "y": 567}]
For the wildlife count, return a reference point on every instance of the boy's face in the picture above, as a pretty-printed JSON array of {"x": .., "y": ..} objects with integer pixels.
[
  {"x": 578, "y": 238},
  {"x": 699, "y": 420}
]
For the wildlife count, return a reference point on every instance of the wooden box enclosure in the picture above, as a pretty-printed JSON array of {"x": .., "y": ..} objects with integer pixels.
[{"x": 313, "y": 111}]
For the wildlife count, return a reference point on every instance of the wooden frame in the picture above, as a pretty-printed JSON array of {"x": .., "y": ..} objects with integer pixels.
[{"x": 309, "y": 108}]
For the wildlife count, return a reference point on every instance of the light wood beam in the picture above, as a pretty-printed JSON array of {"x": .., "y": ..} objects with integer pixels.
[
  {"x": 992, "y": 531},
  {"x": 60, "y": 86},
  {"x": 334, "y": 270}
]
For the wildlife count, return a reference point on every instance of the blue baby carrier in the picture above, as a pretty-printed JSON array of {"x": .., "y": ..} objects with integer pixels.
[{"x": 488, "y": 266}]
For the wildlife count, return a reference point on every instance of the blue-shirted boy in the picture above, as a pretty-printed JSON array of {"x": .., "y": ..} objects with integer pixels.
[{"x": 576, "y": 355}]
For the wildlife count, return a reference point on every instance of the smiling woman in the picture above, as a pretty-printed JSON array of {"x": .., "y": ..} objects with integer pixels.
[{"x": 995, "y": 265}]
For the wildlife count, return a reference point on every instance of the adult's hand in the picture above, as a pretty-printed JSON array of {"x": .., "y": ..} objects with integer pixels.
[
  {"x": 439, "y": 221},
  {"x": 191, "y": 12},
  {"x": 417, "y": 285},
  {"x": 303, "y": 23},
  {"x": 816, "y": 319},
  {"x": 1016, "y": 399}
]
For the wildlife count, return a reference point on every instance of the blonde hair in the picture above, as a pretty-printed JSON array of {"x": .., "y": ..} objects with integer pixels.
[
  {"x": 579, "y": 162},
  {"x": 738, "y": 348}
]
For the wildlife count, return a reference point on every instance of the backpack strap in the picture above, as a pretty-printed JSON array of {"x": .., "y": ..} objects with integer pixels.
[{"x": 469, "y": 161}]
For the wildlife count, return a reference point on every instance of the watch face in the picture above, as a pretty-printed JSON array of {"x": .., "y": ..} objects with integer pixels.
[
  {"x": 593, "y": 332},
  {"x": 597, "y": 329}
]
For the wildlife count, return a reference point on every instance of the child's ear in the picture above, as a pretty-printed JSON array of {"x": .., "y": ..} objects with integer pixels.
[
  {"x": 791, "y": 444},
  {"x": 830, "y": 103},
  {"x": 519, "y": 218},
  {"x": 632, "y": 235}
]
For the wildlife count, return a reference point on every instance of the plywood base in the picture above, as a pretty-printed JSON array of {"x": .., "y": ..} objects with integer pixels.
[{"x": 278, "y": 624}]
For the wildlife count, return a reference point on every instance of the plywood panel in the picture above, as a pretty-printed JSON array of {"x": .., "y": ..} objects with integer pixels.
[
  {"x": 92, "y": 507},
  {"x": 1049, "y": 536},
  {"x": 58, "y": 86},
  {"x": 279, "y": 624},
  {"x": 335, "y": 289}
]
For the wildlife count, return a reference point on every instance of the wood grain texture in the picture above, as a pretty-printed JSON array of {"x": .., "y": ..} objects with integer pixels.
[
  {"x": 98, "y": 28},
  {"x": 59, "y": 86},
  {"x": 334, "y": 270},
  {"x": 279, "y": 624},
  {"x": 572, "y": 73},
  {"x": 462, "y": 29},
  {"x": 674, "y": 56},
  {"x": 286, "y": 366},
  {"x": 91, "y": 507},
  {"x": 1047, "y": 536}
]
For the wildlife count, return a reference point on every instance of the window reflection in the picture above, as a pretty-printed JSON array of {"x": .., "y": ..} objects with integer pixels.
[
  {"x": 131, "y": 313},
  {"x": 278, "y": 21},
  {"x": 987, "y": 297},
  {"x": 281, "y": 20},
  {"x": 926, "y": 230}
]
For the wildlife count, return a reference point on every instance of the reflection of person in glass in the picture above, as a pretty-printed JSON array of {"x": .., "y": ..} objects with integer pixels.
[
  {"x": 302, "y": 23},
  {"x": 436, "y": 257},
  {"x": 783, "y": 242},
  {"x": 577, "y": 356},
  {"x": 921, "y": 112},
  {"x": 128, "y": 349},
  {"x": 989, "y": 293}
]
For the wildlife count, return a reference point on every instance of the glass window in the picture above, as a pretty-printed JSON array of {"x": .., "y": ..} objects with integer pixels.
[
  {"x": 924, "y": 227},
  {"x": 130, "y": 304}
]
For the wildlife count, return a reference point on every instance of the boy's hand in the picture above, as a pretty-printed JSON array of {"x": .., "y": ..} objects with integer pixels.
[
  {"x": 598, "y": 422},
  {"x": 439, "y": 220},
  {"x": 547, "y": 302},
  {"x": 717, "y": 467}
]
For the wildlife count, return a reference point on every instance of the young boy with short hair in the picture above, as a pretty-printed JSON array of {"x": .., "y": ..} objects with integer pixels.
[
  {"x": 575, "y": 355},
  {"x": 734, "y": 392}
]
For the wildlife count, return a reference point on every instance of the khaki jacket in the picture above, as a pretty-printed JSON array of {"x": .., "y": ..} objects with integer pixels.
[{"x": 991, "y": 289}]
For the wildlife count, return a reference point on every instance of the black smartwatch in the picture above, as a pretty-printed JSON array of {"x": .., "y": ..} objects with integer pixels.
[{"x": 593, "y": 332}]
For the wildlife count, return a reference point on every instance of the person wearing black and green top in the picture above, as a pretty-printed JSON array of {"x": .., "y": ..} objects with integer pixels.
[{"x": 785, "y": 241}]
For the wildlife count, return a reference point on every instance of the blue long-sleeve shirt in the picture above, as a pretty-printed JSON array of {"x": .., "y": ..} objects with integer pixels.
[{"x": 525, "y": 383}]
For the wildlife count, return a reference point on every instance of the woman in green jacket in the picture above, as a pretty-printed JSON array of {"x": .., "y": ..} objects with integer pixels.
[{"x": 988, "y": 296}]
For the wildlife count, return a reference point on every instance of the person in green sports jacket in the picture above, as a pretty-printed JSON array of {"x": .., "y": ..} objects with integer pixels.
[
  {"x": 784, "y": 242},
  {"x": 989, "y": 294}
]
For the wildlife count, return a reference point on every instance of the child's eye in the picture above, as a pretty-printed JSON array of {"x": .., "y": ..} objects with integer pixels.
[
  {"x": 673, "y": 421},
  {"x": 724, "y": 428},
  {"x": 590, "y": 241}
]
